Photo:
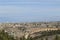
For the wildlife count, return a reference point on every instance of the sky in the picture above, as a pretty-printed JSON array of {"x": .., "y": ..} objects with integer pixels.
[{"x": 29, "y": 10}]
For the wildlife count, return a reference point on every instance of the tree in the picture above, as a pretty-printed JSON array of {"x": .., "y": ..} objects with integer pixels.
[
  {"x": 5, "y": 36},
  {"x": 41, "y": 38},
  {"x": 46, "y": 38},
  {"x": 56, "y": 37}
]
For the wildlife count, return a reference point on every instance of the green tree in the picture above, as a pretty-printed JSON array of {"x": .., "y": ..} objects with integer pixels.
[
  {"x": 41, "y": 38},
  {"x": 56, "y": 37},
  {"x": 5, "y": 36},
  {"x": 46, "y": 38}
]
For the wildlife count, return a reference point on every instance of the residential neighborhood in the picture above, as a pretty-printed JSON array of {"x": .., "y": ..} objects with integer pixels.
[{"x": 28, "y": 29}]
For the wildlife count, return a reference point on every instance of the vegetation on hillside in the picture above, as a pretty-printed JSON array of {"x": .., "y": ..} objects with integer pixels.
[
  {"x": 5, "y": 36},
  {"x": 48, "y": 33}
]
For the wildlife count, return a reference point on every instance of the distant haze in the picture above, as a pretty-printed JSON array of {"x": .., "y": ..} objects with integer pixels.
[{"x": 29, "y": 10}]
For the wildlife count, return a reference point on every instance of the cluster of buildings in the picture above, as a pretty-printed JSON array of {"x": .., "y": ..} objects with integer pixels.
[{"x": 21, "y": 29}]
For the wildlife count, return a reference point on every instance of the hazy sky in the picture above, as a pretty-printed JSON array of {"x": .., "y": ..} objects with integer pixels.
[{"x": 29, "y": 10}]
